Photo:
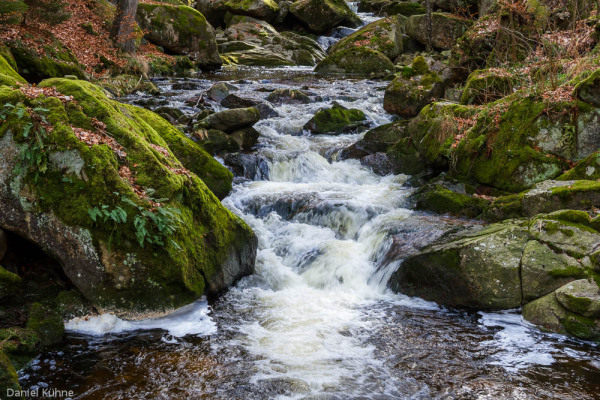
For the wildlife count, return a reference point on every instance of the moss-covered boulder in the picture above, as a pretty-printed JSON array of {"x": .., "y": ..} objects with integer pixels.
[
  {"x": 288, "y": 96},
  {"x": 391, "y": 7},
  {"x": 117, "y": 199},
  {"x": 359, "y": 61},
  {"x": 545, "y": 197},
  {"x": 231, "y": 120},
  {"x": 478, "y": 269},
  {"x": 440, "y": 199},
  {"x": 581, "y": 296},
  {"x": 447, "y": 28},
  {"x": 412, "y": 90},
  {"x": 248, "y": 41},
  {"x": 216, "y": 11},
  {"x": 376, "y": 140},
  {"x": 321, "y": 15},
  {"x": 180, "y": 30},
  {"x": 502, "y": 265},
  {"x": 335, "y": 120},
  {"x": 51, "y": 60},
  {"x": 384, "y": 36},
  {"x": 551, "y": 315},
  {"x": 485, "y": 86},
  {"x": 216, "y": 142},
  {"x": 8, "y": 75}
]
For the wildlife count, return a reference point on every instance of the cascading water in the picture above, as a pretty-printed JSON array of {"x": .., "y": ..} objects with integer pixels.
[{"x": 316, "y": 320}]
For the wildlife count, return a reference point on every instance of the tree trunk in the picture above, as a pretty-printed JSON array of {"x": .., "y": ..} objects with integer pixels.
[
  {"x": 123, "y": 29},
  {"x": 429, "y": 25}
]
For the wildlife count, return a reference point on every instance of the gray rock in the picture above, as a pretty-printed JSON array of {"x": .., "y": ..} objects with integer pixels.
[
  {"x": 231, "y": 120},
  {"x": 219, "y": 91},
  {"x": 581, "y": 297}
]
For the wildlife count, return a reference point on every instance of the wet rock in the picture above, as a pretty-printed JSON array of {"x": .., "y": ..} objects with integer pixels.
[
  {"x": 216, "y": 142},
  {"x": 246, "y": 138},
  {"x": 219, "y": 91},
  {"x": 548, "y": 313},
  {"x": 288, "y": 96},
  {"x": 321, "y": 15},
  {"x": 384, "y": 36},
  {"x": 581, "y": 297},
  {"x": 231, "y": 120},
  {"x": 447, "y": 28},
  {"x": 173, "y": 115},
  {"x": 359, "y": 61},
  {"x": 376, "y": 140},
  {"x": 185, "y": 86},
  {"x": 180, "y": 30},
  {"x": 234, "y": 101},
  {"x": 414, "y": 88},
  {"x": 249, "y": 166},
  {"x": 379, "y": 162},
  {"x": 478, "y": 268},
  {"x": 267, "y": 111},
  {"x": 336, "y": 120}
]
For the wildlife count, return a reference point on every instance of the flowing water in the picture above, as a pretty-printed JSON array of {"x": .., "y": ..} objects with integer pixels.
[{"x": 316, "y": 320}]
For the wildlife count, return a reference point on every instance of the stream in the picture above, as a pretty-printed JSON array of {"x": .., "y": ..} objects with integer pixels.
[{"x": 316, "y": 320}]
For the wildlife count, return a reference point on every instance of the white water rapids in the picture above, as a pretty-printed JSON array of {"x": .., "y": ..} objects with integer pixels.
[{"x": 316, "y": 320}]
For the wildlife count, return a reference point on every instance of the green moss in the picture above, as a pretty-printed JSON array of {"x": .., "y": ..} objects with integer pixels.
[
  {"x": 147, "y": 277},
  {"x": 570, "y": 271},
  {"x": 419, "y": 65},
  {"x": 8, "y": 76},
  {"x": 578, "y": 186},
  {"x": 581, "y": 327},
  {"x": 441, "y": 200},
  {"x": 404, "y": 8},
  {"x": 356, "y": 61},
  {"x": 8, "y": 375},
  {"x": 484, "y": 86},
  {"x": 335, "y": 120}
]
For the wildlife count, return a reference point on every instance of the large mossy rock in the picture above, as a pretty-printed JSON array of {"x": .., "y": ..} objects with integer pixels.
[
  {"x": 336, "y": 120},
  {"x": 510, "y": 144},
  {"x": 180, "y": 30},
  {"x": 288, "y": 96},
  {"x": 571, "y": 310},
  {"x": 486, "y": 86},
  {"x": 545, "y": 197},
  {"x": 447, "y": 28},
  {"x": 231, "y": 120},
  {"x": 321, "y": 15},
  {"x": 391, "y": 7},
  {"x": 359, "y": 61},
  {"x": 117, "y": 199},
  {"x": 440, "y": 199},
  {"x": 52, "y": 60},
  {"x": 384, "y": 36},
  {"x": 8, "y": 75},
  {"x": 248, "y": 41},
  {"x": 477, "y": 269},
  {"x": 216, "y": 10},
  {"x": 414, "y": 88},
  {"x": 502, "y": 265}
]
